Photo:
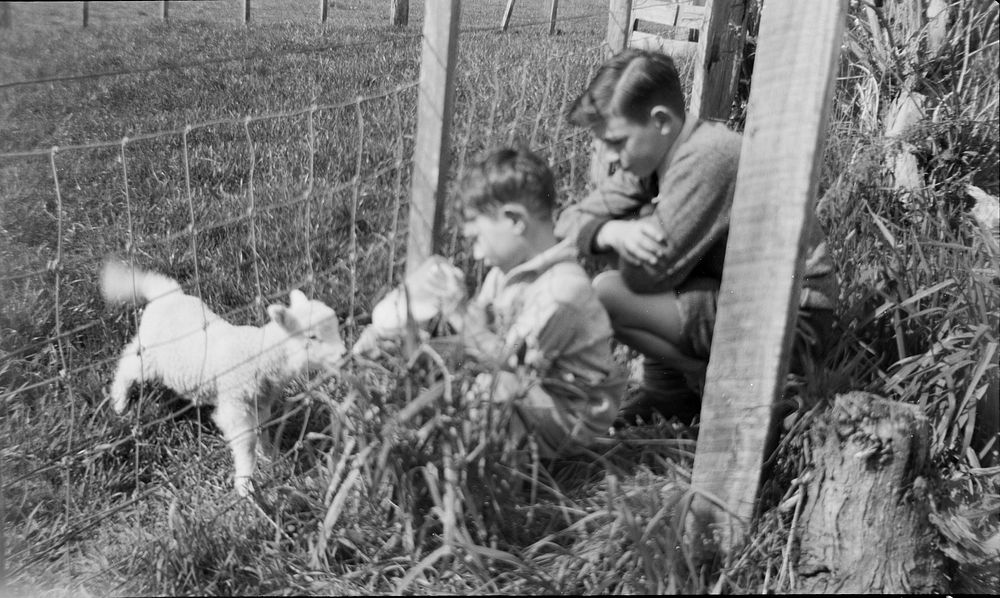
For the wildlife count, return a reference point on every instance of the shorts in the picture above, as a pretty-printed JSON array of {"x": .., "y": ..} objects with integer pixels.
[{"x": 698, "y": 300}]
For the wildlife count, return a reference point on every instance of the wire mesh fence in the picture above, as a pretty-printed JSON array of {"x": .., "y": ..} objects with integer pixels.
[{"x": 240, "y": 210}]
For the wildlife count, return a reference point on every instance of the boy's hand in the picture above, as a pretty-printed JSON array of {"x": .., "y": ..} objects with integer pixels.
[
  {"x": 435, "y": 288},
  {"x": 638, "y": 242}
]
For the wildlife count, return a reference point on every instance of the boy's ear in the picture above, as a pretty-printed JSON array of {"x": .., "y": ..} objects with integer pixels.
[
  {"x": 517, "y": 214},
  {"x": 665, "y": 118}
]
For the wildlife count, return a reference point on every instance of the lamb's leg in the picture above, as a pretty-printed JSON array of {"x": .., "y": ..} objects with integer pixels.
[
  {"x": 264, "y": 445},
  {"x": 129, "y": 372},
  {"x": 238, "y": 422}
]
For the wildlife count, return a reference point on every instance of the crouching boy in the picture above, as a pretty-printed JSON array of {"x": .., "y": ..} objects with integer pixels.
[
  {"x": 664, "y": 214},
  {"x": 536, "y": 309}
]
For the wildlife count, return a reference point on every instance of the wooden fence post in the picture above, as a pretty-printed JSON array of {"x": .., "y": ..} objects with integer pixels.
[
  {"x": 552, "y": 16},
  {"x": 761, "y": 282},
  {"x": 619, "y": 26},
  {"x": 323, "y": 8},
  {"x": 434, "y": 112},
  {"x": 86, "y": 13},
  {"x": 506, "y": 15},
  {"x": 400, "y": 13},
  {"x": 164, "y": 11},
  {"x": 4, "y": 15},
  {"x": 246, "y": 12},
  {"x": 718, "y": 59}
]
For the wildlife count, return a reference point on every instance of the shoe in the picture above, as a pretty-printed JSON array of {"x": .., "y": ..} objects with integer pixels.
[{"x": 681, "y": 403}]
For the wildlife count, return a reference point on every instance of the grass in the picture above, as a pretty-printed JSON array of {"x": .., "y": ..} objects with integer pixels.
[{"x": 384, "y": 483}]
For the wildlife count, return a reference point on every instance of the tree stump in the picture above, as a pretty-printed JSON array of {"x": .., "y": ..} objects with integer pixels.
[{"x": 865, "y": 526}]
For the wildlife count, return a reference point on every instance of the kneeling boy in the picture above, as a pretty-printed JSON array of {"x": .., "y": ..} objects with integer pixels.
[{"x": 536, "y": 308}]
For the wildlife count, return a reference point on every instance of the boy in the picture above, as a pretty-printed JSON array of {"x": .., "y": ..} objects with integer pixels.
[
  {"x": 665, "y": 214},
  {"x": 536, "y": 309}
]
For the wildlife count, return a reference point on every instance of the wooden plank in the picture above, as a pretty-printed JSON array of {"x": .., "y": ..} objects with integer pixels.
[
  {"x": 4, "y": 15},
  {"x": 246, "y": 12},
  {"x": 164, "y": 11},
  {"x": 552, "y": 16},
  {"x": 675, "y": 48},
  {"x": 718, "y": 60},
  {"x": 619, "y": 26},
  {"x": 434, "y": 112},
  {"x": 665, "y": 26},
  {"x": 505, "y": 22},
  {"x": 400, "y": 13},
  {"x": 656, "y": 11},
  {"x": 86, "y": 13},
  {"x": 691, "y": 16},
  {"x": 323, "y": 11},
  {"x": 665, "y": 31},
  {"x": 799, "y": 46}
]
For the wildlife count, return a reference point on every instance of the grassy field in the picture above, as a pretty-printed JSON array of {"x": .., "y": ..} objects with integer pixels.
[{"x": 157, "y": 159}]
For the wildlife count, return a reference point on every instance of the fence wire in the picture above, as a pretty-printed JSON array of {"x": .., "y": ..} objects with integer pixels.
[{"x": 240, "y": 211}]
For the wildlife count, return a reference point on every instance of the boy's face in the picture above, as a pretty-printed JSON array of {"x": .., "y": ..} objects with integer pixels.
[
  {"x": 638, "y": 147},
  {"x": 497, "y": 239}
]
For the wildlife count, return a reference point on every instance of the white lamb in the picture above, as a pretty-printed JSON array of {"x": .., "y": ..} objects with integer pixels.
[{"x": 188, "y": 348}]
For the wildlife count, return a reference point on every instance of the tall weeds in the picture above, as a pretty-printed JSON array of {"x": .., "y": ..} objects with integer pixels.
[{"x": 394, "y": 477}]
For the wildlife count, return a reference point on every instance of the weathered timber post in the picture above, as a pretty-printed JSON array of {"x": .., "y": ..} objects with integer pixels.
[
  {"x": 552, "y": 16},
  {"x": 86, "y": 13},
  {"x": 400, "y": 13},
  {"x": 164, "y": 11},
  {"x": 4, "y": 15},
  {"x": 865, "y": 521},
  {"x": 506, "y": 15},
  {"x": 434, "y": 112},
  {"x": 323, "y": 10},
  {"x": 718, "y": 59},
  {"x": 619, "y": 26},
  {"x": 775, "y": 188},
  {"x": 246, "y": 12}
]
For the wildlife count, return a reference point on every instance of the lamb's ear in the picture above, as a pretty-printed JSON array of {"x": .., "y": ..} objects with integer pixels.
[
  {"x": 296, "y": 297},
  {"x": 281, "y": 316}
]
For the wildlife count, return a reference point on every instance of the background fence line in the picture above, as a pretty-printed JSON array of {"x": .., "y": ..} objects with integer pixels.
[
  {"x": 398, "y": 15},
  {"x": 194, "y": 229},
  {"x": 310, "y": 171}
]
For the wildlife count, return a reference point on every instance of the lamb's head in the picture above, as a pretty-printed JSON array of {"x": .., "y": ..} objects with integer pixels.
[
  {"x": 314, "y": 341},
  {"x": 434, "y": 290}
]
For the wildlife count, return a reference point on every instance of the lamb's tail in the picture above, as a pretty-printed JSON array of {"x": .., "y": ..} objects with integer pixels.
[{"x": 120, "y": 283}]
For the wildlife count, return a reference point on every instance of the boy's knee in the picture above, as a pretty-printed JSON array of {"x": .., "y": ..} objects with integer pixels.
[
  {"x": 610, "y": 288},
  {"x": 640, "y": 280}
]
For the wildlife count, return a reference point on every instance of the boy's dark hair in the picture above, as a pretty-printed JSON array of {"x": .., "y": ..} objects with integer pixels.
[
  {"x": 509, "y": 175},
  {"x": 629, "y": 84}
]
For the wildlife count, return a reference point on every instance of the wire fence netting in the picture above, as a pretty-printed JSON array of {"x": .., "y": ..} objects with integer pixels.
[{"x": 240, "y": 209}]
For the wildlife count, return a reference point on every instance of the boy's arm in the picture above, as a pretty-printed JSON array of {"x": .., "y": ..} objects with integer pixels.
[
  {"x": 472, "y": 320},
  {"x": 692, "y": 209},
  {"x": 619, "y": 195},
  {"x": 479, "y": 340}
]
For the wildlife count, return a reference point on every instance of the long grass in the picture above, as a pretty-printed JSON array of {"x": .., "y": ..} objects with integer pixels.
[{"x": 393, "y": 477}]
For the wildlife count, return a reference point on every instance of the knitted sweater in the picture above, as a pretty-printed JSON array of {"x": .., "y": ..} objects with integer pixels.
[{"x": 690, "y": 196}]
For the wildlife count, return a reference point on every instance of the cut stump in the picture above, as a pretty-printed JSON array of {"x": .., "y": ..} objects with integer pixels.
[{"x": 865, "y": 526}]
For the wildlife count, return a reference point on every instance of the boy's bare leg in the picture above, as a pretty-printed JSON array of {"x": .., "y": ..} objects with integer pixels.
[
  {"x": 652, "y": 325},
  {"x": 656, "y": 347},
  {"x": 657, "y": 313}
]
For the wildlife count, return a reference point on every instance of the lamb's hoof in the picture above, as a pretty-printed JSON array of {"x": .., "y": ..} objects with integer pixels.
[{"x": 120, "y": 399}]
